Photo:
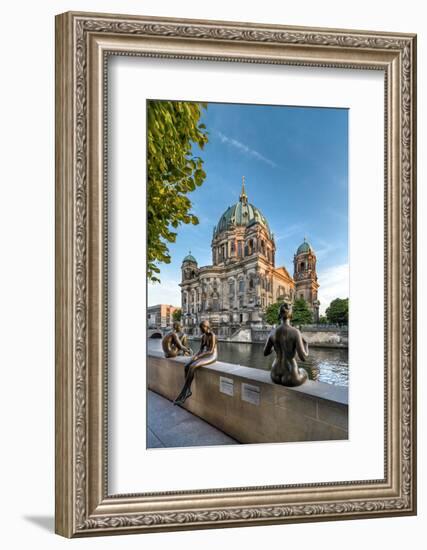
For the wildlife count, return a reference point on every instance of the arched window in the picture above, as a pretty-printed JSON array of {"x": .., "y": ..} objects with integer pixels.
[
  {"x": 231, "y": 288},
  {"x": 302, "y": 266},
  {"x": 241, "y": 285}
]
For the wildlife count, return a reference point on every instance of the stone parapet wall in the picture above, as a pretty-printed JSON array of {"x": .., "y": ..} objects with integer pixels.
[
  {"x": 326, "y": 338},
  {"x": 315, "y": 336},
  {"x": 325, "y": 328},
  {"x": 244, "y": 403},
  {"x": 260, "y": 335}
]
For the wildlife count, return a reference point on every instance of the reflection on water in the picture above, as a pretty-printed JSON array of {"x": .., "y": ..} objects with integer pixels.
[
  {"x": 329, "y": 364},
  {"x": 326, "y": 364}
]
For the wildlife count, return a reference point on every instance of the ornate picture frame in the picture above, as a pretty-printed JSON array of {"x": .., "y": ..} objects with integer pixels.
[{"x": 83, "y": 44}]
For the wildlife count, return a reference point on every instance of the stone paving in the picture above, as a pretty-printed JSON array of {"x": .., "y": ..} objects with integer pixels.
[{"x": 172, "y": 426}]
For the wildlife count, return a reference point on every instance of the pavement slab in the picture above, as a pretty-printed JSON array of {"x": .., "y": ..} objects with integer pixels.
[{"x": 172, "y": 426}]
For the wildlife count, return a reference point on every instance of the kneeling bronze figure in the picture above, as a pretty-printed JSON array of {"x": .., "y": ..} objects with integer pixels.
[
  {"x": 176, "y": 342},
  {"x": 287, "y": 342}
]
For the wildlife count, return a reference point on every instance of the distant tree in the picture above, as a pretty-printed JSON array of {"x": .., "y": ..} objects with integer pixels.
[
  {"x": 271, "y": 314},
  {"x": 337, "y": 311},
  {"x": 301, "y": 313},
  {"x": 172, "y": 172},
  {"x": 177, "y": 314},
  {"x": 323, "y": 320}
]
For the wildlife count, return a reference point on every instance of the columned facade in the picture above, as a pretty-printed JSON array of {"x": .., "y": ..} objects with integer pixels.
[{"x": 242, "y": 281}]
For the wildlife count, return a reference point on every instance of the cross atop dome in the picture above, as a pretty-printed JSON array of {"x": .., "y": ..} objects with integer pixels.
[{"x": 243, "y": 195}]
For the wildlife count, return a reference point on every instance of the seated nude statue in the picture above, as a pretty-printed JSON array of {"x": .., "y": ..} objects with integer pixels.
[
  {"x": 206, "y": 355},
  {"x": 176, "y": 342},
  {"x": 287, "y": 342}
]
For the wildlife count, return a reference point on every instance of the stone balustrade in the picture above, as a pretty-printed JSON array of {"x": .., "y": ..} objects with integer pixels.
[{"x": 244, "y": 403}]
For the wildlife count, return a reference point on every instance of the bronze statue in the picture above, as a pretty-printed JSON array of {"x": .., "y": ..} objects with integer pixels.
[
  {"x": 176, "y": 342},
  {"x": 206, "y": 355},
  {"x": 287, "y": 342}
]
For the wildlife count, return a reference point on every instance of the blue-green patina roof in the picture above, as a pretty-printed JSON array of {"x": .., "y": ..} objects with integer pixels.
[
  {"x": 189, "y": 258},
  {"x": 243, "y": 215},
  {"x": 304, "y": 247}
]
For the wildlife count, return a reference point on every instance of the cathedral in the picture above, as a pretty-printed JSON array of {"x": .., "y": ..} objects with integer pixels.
[{"x": 243, "y": 279}]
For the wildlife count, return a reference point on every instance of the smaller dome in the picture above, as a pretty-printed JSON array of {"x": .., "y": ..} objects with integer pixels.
[
  {"x": 189, "y": 258},
  {"x": 304, "y": 247}
]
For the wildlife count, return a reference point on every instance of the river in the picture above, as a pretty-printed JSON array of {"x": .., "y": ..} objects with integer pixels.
[{"x": 328, "y": 365}]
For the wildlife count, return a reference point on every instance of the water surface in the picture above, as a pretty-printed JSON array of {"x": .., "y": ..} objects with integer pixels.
[{"x": 328, "y": 365}]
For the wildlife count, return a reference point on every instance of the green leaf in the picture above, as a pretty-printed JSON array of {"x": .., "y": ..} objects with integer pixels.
[{"x": 173, "y": 171}]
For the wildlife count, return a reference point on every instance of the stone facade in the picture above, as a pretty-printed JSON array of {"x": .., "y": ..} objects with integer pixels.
[
  {"x": 243, "y": 280},
  {"x": 254, "y": 409}
]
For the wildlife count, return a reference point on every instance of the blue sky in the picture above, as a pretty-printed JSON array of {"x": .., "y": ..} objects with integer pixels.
[{"x": 295, "y": 163}]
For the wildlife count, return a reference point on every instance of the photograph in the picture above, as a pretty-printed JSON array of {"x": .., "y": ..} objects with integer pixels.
[
  {"x": 235, "y": 271},
  {"x": 247, "y": 273}
]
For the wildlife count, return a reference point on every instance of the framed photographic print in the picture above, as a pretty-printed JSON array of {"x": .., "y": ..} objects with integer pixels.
[{"x": 235, "y": 274}]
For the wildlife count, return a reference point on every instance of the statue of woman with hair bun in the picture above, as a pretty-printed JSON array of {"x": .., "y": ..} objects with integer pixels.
[{"x": 287, "y": 342}]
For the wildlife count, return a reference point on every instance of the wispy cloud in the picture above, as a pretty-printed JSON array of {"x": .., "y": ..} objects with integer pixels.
[
  {"x": 334, "y": 283},
  {"x": 296, "y": 228},
  {"x": 245, "y": 149},
  {"x": 167, "y": 292},
  {"x": 325, "y": 248}
]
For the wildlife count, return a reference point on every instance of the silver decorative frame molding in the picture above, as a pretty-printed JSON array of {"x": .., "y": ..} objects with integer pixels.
[{"x": 83, "y": 43}]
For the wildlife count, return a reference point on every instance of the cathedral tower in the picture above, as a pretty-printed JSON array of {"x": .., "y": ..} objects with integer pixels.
[
  {"x": 234, "y": 292},
  {"x": 305, "y": 277}
]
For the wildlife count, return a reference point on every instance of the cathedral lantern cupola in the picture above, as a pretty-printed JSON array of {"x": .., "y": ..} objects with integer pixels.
[
  {"x": 243, "y": 196},
  {"x": 241, "y": 232},
  {"x": 305, "y": 276}
]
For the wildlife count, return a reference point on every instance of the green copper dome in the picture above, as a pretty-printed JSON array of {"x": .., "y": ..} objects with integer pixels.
[
  {"x": 241, "y": 214},
  {"x": 189, "y": 258},
  {"x": 304, "y": 247}
]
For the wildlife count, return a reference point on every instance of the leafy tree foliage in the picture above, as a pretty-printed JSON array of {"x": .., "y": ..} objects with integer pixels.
[
  {"x": 173, "y": 171},
  {"x": 337, "y": 311},
  {"x": 323, "y": 320},
  {"x": 271, "y": 314},
  {"x": 177, "y": 314},
  {"x": 301, "y": 313}
]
